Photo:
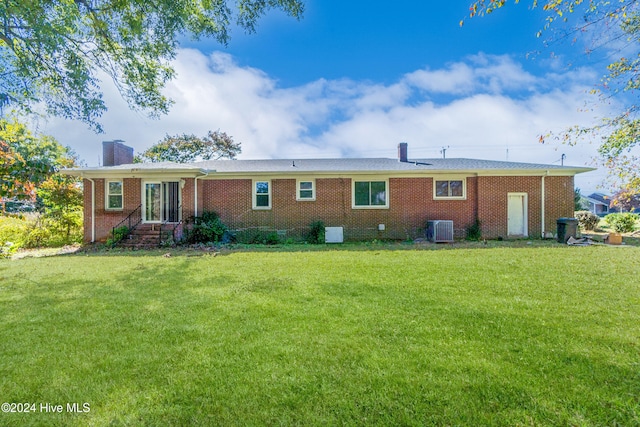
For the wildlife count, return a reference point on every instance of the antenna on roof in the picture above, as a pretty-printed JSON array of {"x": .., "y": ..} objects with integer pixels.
[
  {"x": 562, "y": 159},
  {"x": 444, "y": 152}
]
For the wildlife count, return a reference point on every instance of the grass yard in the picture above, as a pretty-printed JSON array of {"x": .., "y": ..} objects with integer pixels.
[{"x": 494, "y": 336}]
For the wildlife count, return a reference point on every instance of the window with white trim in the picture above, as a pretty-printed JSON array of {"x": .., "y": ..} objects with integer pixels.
[
  {"x": 306, "y": 190},
  {"x": 261, "y": 194},
  {"x": 113, "y": 195},
  {"x": 370, "y": 194},
  {"x": 449, "y": 189}
]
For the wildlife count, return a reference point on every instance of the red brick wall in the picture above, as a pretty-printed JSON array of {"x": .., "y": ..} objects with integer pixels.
[
  {"x": 107, "y": 219},
  {"x": 492, "y": 204},
  {"x": 87, "y": 193},
  {"x": 411, "y": 205},
  {"x": 187, "y": 198},
  {"x": 559, "y": 202}
]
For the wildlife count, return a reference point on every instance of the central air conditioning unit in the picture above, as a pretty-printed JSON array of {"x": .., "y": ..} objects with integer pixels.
[{"x": 440, "y": 231}]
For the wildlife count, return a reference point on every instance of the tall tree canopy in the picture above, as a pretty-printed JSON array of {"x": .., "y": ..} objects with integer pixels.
[
  {"x": 610, "y": 30},
  {"x": 189, "y": 148},
  {"x": 53, "y": 51}
]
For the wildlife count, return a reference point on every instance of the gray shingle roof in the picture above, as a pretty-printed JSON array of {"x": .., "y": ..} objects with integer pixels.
[
  {"x": 374, "y": 165},
  {"x": 327, "y": 166}
]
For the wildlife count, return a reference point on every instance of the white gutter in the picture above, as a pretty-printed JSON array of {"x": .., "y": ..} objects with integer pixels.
[
  {"x": 93, "y": 210},
  {"x": 195, "y": 192},
  {"x": 542, "y": 207}
]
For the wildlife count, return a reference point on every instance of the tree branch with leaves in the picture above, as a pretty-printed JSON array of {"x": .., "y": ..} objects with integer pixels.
[
  {"x": 611, "y": 28},
  {"x": 190, "y": 148},
  {"x": 53, "y": 52}
]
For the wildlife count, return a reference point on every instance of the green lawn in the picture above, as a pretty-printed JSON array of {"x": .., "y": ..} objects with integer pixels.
[{"x": 493, "y": 336}]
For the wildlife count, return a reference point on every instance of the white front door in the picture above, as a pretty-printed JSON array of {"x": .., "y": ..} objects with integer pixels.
[{"x": 517, "y": 214}]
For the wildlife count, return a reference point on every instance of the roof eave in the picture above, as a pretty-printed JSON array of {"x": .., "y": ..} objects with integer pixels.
[
  {"x": 134, "y": 172},
  {"x": 391, "y": 172}
]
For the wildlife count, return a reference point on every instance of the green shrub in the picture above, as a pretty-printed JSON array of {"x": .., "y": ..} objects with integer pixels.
[
  {"x": 272, "y": 239},
  {"x": 254, "y": 236},
  {"x": 39, "y": 230},
  {"x": 316, "y": 233},
  {"x": 38, "y": 234},
  {"x": 621, "y": 222},
  {"x": 205, "y": 229},
  {"x": 587, "y": 220},
  {"x": 474, "y": 231},
  {"x": 13, "y": 231},
  {"x": 118, "y": 234}
]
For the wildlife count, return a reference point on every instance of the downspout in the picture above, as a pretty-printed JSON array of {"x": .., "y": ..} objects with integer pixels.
[
  {"x": 195, "y": 192},
  {"x": 542, "y": 207},
  {"x": 93, "y": 210}
]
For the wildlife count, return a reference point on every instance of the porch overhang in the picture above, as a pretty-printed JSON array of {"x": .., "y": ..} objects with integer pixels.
[{"x": 138, "y": 171}]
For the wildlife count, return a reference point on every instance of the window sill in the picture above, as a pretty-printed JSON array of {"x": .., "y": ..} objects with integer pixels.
[
  {"x": 450, "y": 198},
  {"x": 369, "y": 207}
]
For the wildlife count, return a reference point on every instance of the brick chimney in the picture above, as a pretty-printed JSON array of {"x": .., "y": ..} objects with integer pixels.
[
  {"x": 115, "y": 153},
  {"x": 402, "y": 152}
]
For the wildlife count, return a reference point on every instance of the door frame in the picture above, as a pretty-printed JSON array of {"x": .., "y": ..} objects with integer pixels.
[
  {"x": 143, "y": 196},
  {"x": 524, "y": 197}
]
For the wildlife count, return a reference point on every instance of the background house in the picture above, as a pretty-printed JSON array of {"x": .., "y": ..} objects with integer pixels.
[
  {"x": 603, "y": 204},
  {"x": 600, "y": 204}
]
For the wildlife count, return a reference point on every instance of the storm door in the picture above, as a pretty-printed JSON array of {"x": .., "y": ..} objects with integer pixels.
[{"x": 170, "y": 202}]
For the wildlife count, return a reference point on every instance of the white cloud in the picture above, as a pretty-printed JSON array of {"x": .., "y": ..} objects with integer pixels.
[
  {"x": 456, "y": 79},
  {"x": 488, "y": 73},
  {"x": 480, "y": 107}
]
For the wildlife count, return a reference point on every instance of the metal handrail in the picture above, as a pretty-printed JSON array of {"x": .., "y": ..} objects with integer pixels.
[
  {"x": 173, "y": 231},
  {"x": 132, "y": 220}
]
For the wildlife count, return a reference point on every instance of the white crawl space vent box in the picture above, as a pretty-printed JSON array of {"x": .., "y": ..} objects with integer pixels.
[{"x": 333, "y": 234}]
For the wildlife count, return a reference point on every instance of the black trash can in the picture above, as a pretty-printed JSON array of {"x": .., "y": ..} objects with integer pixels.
[{"x": 567, "y": 227}]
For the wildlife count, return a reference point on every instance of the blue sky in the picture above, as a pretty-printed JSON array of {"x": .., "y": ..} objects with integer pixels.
[
  {"x": 379, "y": 41},
  {"x": 355, "y": 78}
]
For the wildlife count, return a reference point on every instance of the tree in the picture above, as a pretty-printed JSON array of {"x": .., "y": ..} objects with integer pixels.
[
  {"x": 54, "y": 51},
  {"x": 626, "y": 201},
  {"x": 62, "y": 199},
  {"x": 29, "y": 166},
  {"x": 25, "y": 160},
  {"x": 577, "y": 200},
  {"x": 614, "y": 29},
  {"x": 189, "y": 148}
]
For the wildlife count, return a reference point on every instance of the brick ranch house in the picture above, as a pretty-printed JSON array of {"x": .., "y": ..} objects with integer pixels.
[{"x": 369, "y": 198}]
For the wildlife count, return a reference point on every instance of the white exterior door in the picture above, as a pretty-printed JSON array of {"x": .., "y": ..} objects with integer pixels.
[
  {"x": 161, "y": 202},
  {"x": 517, "y": 214},
  {"x": 152, "y": 201}
]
